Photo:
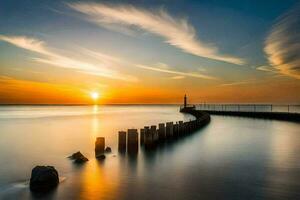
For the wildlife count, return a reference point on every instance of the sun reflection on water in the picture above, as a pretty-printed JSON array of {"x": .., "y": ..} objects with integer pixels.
[{"x": 96, "y": 183}]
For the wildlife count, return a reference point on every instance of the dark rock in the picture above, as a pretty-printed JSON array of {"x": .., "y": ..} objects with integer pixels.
[
  {"x": 43, "y": 178},
  {"x": 101, "y": 157},
  {"x": 78, "y": 157},
  {"x": 107, "y": 150}
]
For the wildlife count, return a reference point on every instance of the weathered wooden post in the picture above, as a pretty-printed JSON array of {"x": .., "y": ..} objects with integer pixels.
[
  {"x": 169, "y": 130},
  {"x": 148, "y": 138},
  {"x": 175, "y": 130},
  {"x": 154, "y": 134},
  {"x": 122, "y": 141},
  {"x": 161, "y": 132},
  {"x": 187, "y": 128},
  {"x": 195, "y": 125},
  {"x": 192, "y": 126},
  {"x": 132, "y": 141},
  {"x": 99, "y": 146},
  {"x": 184, "y": 128},
  {"x": 181, "y": 128},
  {"x": 142, "y": 136}
]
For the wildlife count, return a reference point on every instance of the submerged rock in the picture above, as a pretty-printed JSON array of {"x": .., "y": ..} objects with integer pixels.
[
  {"x": 43, "y": 178},
  {"x": 78, "y": 157},
  {"x": 107, "y": 150},
  {"x": 101, "y": 157}
]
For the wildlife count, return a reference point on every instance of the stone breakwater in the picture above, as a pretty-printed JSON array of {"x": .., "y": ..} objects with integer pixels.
[{"x": 152, "y": 136}]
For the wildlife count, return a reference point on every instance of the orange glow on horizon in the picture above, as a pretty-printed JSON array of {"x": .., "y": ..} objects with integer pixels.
[{"x": 14, "y": 91}]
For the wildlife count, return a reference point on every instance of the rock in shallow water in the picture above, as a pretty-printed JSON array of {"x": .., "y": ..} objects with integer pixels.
[
  {"x": 43, "y": 178},
  {"x": 101, "y": 157},
  {"x": 107, "y": 150},
  {"x": 78, "y": 157}
]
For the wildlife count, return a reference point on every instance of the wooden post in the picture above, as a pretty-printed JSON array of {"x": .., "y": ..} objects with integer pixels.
[
  {"x": 175, "y": 130},
  {"x": 142, "y": 136},
  {"x": 99, "y": 146},
  {"x": 161, "y": 132},
  {"x": 271, "y": 108},
  {"x": 132, "y": 141},
  {"x": 122, "y": 141},
  {"x": 154, "y": 133},
  {"x": 180, "y": 128},
  {"x": 189, "y": 127},
  {"x": 169, "y": 130},
  {"x": 185, "y": 128},
  {"x": 148, "y": 138}
]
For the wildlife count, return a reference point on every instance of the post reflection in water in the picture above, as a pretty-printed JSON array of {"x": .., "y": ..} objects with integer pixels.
[{"x": 95, "y": 122}]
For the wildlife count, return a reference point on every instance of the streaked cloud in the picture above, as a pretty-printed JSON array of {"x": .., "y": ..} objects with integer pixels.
[
  {"x": 266, "y": 68},
  {"x": 282, "y": 45},
  {"x": 239, "y": 83},
  {"x": 26, "y": 43},
  {"x": 176, "y": 31},
  {"x": 51, "y": 57},
  {"x": 170, "y": 71},
  {"x": 177, "y": 77},
  {"x": 159, "y": 67}
]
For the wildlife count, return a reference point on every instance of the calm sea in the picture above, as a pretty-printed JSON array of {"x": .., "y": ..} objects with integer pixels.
[{"x": 231, "y": 158}]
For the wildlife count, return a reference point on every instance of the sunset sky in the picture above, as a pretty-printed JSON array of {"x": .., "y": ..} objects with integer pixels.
[{"x": 231, "y": 51}]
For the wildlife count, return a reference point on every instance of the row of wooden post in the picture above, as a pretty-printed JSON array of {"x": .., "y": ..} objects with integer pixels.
[{"x": 151, "y": 136}]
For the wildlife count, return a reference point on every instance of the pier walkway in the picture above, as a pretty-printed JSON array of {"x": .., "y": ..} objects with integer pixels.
[{"x": 263, "y": 111}]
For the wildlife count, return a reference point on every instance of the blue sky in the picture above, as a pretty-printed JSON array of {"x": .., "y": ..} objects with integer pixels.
[{"x": 174, "y": 46}]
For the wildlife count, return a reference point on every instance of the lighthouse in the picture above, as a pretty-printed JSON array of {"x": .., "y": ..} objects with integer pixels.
[{"x": 185, "y": 100}]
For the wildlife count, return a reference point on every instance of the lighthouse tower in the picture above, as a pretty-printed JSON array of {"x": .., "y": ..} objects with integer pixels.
[{"x": 185, "y": 101}]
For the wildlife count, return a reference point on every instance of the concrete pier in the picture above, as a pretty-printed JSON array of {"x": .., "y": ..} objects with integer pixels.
[
  {"x": 285, "y": 116},
  {"x": 132, "y": 141},
  {"x": 122, "y": 141},
  {"x": 99, "y": 145}
]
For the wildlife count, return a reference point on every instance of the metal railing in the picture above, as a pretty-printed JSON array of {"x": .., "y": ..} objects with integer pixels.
[{"x": 292, "y": 108}]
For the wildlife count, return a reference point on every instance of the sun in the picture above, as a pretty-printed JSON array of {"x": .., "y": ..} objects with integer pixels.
[{"x": 95, "y": 96}]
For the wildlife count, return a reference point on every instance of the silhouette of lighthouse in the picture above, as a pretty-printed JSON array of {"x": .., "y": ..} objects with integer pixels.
[{"x": 185, "y": 101}]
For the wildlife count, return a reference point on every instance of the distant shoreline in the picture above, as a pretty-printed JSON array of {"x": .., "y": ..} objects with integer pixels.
[{"x": 155, "y": 104}]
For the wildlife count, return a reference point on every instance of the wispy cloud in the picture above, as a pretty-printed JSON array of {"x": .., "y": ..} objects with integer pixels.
[
  {"x": 170, "y": 71},
  {"x": 176, "y": 31},
  {"x": 239, "y": 83},
  {"x": 266, "y": 68},
  {"x": 177, "y": 77},
  {"x": 282, "y": 45},
  {"x": 159, "y": 67},
  {"x": 51, "y": 57}
]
